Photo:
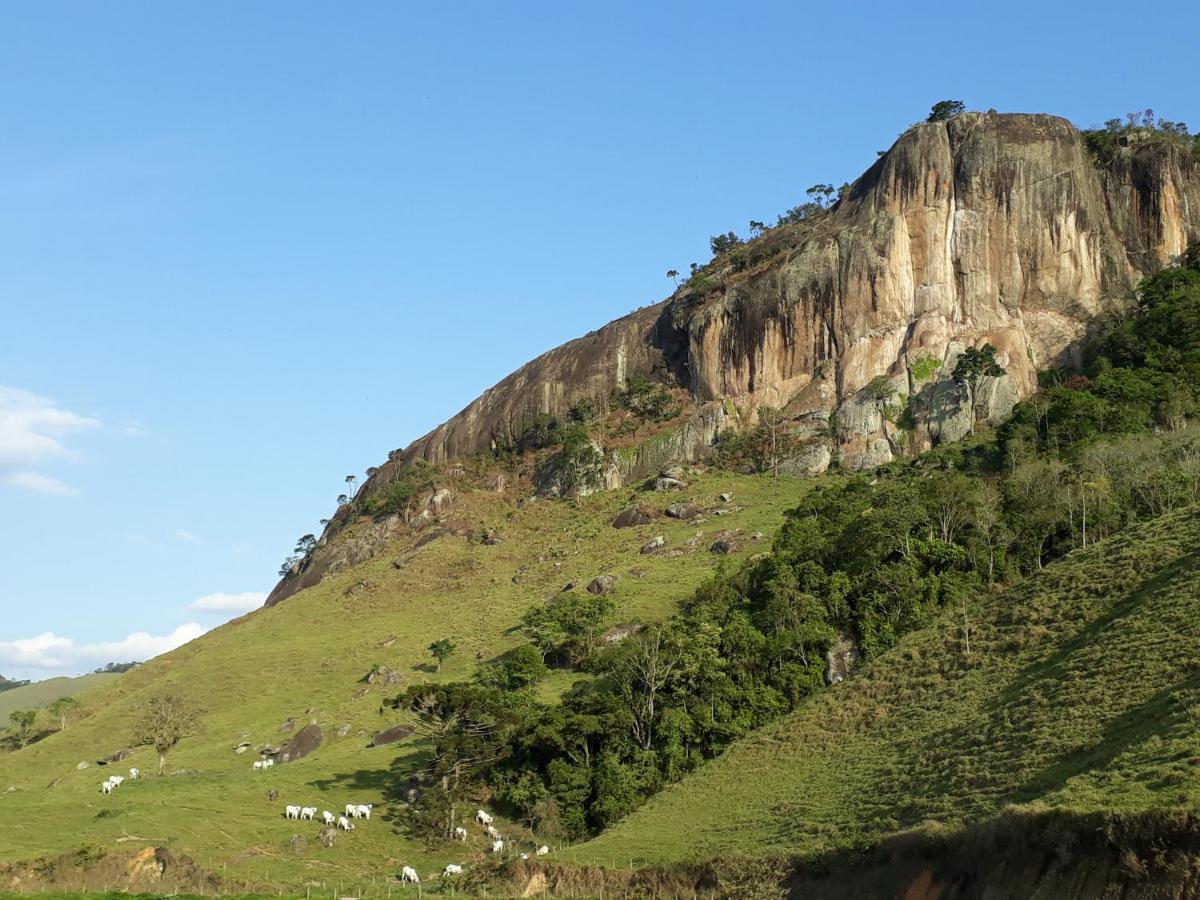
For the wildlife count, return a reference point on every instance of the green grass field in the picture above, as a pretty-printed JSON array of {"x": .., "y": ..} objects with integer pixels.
[
  {"x": 305, "y": 659},
  {"x": 43, "y": 693},
  {"x": 1080, "y": 692}
]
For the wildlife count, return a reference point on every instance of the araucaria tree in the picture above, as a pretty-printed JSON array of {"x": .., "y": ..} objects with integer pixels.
[
  {"x": 167, "y": 718},
  {"x": 945, "y": 109},
  {"x": 973, "y": 366}
]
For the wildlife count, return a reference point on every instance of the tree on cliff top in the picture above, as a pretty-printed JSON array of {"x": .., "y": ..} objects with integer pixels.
[{"x": 946, "y": 109}]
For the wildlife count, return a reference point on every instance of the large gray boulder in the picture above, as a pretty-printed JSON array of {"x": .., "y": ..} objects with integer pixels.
[{"x": 306, "y": 740}]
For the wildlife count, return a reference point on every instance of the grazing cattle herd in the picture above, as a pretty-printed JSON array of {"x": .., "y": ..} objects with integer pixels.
[{"x": 362, "y": 811}]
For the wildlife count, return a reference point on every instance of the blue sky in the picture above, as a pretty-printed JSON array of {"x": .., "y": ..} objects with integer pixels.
[{"x": 248, "y": 248}]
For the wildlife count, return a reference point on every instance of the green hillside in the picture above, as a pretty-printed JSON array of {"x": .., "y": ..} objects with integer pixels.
[
  {"x": 43, "y": 693},
  {"x": 1080, "y": 692},
  {"x": 306, "y": 659}
]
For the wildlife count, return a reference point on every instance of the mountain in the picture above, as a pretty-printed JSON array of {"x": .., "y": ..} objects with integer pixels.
[
  {"x": 621, "y": 509},
  {"x": 43, "y": 693},
  {"x": 985, "y": 228}
]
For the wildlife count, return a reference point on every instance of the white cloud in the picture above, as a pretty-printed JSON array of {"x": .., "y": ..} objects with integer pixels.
[
  {"x": 32, "y": 431},
  {"x": 38, "y": 483},
  {"x": 236, "y": 603},
  {"x": 51, "y": 654},
  {"x": 182, "y": 534}
]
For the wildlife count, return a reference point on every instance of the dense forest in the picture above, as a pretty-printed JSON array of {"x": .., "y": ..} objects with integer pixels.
[{"x": 865, "y": 558}]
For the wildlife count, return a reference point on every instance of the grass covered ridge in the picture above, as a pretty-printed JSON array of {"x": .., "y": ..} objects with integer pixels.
[
  {"x": 1080, "y": 692},
  {"x": 312, "y": 651}
]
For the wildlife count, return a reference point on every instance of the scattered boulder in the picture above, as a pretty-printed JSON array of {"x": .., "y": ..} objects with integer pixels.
[
  {"x": 638, "y": 573},
  {"x": 392, "y": 735},
  {"x": 327, "y": 836},
  {"x": 569, "y": 586},
  {"x": 632, "y": 517},
  {"x": 297, "y": 844},
  {"x": 682, "y": 511},
  {"x": 654, "y": 544},
  {"x": 757, "y": 536},
  {"x": 601, "y": 584},
  {"x": 725, "y": 546},
  {"x": 841, "y": 659},
  {"x": 307, "y": 739},
  {"x": 119, "y": 756},
  {"x": 242, "y": 747},
  {"x": 289, "y": 725},
  {"x": 382, "y": 674},
  {"x": 388, "y": 641},
  {"x": 667, "y": 483},
  {"x": 272, "y": 795},
  {"x": 343, "y": 730},
  {"x": 441, "y": 501},
  {"x": 618, "y": 633},
  {"x": 81, "y": 766},
  {"x": 675, "y": 472},
  {"x": 497, "y": 483},
  {"x": 148, "y": 864},
  {"x": 673, "y": 553},
  {"x": 726, "y": 497},
  {"x": 268, "y": 751}
]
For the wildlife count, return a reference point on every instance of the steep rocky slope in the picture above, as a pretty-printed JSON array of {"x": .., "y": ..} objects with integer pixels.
[{"x": 985, "y": 228}]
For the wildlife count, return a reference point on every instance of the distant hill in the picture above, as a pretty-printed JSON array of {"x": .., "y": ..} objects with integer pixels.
[{"x": 43, "y": 693}]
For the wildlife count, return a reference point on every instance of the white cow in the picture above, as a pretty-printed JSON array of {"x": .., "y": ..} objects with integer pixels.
[
  {"x": 328, "y": 818},
  {"x": 492, "y": 832},
  {"x": 460, "y": 834},
  {"x": 409, "y": 875},
  {"x": 542, "y": 850},
  {"x": 107, "y": 787},
  {"x": 135, "y": 774},
  {"x": 483, "y": 818},
  {"x": 364, "y": 810},
  {"x": 524, "y": 856},
  {"x": 452, "y": 869},
  {"x": 268, "y": 762},
  {"x": 291, "y": 812},
  {"x": 308, "y": 812},
  {"x": 497, "y": 846},
  {"x": 259, "y": 765},
  {"x": 345, "y": 824},
  {"x": 116, "y": 779},
  {"x": 351, "y": 808}
]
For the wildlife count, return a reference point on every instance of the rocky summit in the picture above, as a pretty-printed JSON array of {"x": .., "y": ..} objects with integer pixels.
[{"x": 986, "y": 228}]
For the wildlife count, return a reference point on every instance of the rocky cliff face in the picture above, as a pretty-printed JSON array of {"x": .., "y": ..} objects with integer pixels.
[{"x": 984, "y": 228}]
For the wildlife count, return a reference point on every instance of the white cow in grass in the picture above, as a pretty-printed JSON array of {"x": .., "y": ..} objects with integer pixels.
[
  {"x": 345, "y": 824},
  {"x": 135, "y": 774},
  {"x": 460, "y": 834},
  {"x": 492, "y": 832},
  {"x": 497, "y": 846},
  {"x": 359, "y": 810},
  {"x": 483, "y": 818},
  {"x": 328, "y": 818},
  {"x": 107, "y": 787},
  {"x": 409, "y": 875},
  {"x": 542, "y": 850},
  {"x": 308, "y": 813},
  {"x": 117, "y": 780},
  {"x": 452, "y": 869},
  {"x": 291, "y": 812}
]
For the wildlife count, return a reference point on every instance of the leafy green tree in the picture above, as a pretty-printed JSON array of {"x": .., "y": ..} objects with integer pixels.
[
  {"x": 975, "y": 364},
  {"x": 62, "y": 709},
  {"x": 723, "y": 243},
  {"x": 442, "y": 649},
  {"x": 945, "y": 109},
  {"x": 519, "y": 669},
  {"x": 166, "y": 719},
  {"x": 22, "y": 722}
]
